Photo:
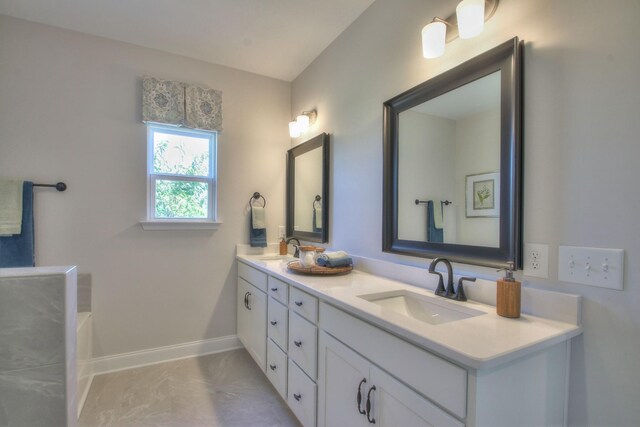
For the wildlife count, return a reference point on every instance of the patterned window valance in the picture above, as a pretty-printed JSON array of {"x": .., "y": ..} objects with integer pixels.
[{"x": 181, "y": 104}]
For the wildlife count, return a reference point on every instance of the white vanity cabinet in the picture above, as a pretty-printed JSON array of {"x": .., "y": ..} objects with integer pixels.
[
  {"x": 252, "y": 312},
  {"x": 414, "y": 387},
  {"x": 355, "y": 392}
]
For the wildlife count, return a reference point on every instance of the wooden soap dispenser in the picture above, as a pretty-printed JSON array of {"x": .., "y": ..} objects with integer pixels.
[{"x": 508, "y": 295}]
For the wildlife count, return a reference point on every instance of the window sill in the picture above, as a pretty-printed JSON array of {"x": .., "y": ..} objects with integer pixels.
[{"x": 179, "y": 225}]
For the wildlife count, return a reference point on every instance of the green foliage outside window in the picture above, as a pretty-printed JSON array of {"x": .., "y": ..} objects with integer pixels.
[{"x": 180, "y": 199}]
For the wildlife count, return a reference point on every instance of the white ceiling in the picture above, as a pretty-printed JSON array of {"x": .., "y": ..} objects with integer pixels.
[{"x": 275, "y": 38}]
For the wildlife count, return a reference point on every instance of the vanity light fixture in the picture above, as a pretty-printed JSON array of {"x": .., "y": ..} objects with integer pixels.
[
  {"x": 301, "y": 124},
  {"x": 466, "y": 23}
]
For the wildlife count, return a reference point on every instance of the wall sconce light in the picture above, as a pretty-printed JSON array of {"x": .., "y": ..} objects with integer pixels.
[
  {"x": 466, "y": 23},
  {"x": 301, "y": 124}
]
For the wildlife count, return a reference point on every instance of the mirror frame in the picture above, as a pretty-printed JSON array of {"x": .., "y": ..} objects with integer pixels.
[
  {"x": 320, "y": 141},
  {"x": 506, "y": 58}
]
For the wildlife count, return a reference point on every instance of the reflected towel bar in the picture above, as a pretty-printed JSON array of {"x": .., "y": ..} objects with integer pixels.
[{"x": 424, "y": 202}]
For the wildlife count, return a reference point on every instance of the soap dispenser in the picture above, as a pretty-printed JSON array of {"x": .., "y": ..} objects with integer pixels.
[
  {"x": 508, "y": 295},
  {"x": 283, "y": 247}
]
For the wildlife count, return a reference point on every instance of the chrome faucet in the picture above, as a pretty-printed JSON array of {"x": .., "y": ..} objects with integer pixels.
[
  {"x": 296, "y": 254},
  {"x": 449, "y": 292}
]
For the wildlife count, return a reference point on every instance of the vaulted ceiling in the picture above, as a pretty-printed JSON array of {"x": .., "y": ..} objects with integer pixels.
[{"x": 275, "y": 38}]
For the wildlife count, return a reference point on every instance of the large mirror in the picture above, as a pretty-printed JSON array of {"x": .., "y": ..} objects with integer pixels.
[
  {"x": 308, "y": 190},
  {"x": 452, "y": 163}
]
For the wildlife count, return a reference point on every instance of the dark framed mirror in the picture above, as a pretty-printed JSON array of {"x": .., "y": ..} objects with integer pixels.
[
  {"x": 308, "y": 190},
  {"x": 453, "y": 163}
]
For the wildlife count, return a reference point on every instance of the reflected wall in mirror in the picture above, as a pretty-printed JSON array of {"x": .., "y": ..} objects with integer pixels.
[
  {"x": 308, "y": 190},
  {"x": 452, "y": 159}
]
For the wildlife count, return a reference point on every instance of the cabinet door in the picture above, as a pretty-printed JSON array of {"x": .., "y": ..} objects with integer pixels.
[
  {"x": 257, "y": 303},
  {"x": 394, "y": 404},
  {"x": 243, "y": 314},
  {"x": 341, "y": 372}
]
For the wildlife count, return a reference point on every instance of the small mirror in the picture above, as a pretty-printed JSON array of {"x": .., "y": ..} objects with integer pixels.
[
  {"x": 308, "y": 190},
  {"x": 452, "y": 163}
]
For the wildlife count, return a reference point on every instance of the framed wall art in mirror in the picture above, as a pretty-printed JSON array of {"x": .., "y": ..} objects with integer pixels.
[
  {"x": 453, "y": 163},
  {"x": 308, "y": 190}
]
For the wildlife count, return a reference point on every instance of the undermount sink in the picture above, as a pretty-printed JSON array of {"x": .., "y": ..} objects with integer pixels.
[
  {"x": 275, "y": 257},
  {"x": 423, "y": 308}
]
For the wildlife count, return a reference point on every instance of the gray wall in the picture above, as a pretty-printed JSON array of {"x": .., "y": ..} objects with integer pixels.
[
  {"x": 70, "y": 109},
  {"x": 581, "y": 152}
]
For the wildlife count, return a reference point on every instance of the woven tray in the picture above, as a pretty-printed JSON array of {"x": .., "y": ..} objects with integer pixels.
[{"x": 318, "y": 270}]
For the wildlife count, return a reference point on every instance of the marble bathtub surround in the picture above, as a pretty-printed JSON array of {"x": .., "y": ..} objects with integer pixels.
[
  {"x": 224, "y": 389},
  {"x": 38, "y": 346}
]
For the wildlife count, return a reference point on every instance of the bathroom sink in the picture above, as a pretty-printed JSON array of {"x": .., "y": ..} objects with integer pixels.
[
  {"x": 275, "y": 257},
  {"x": 423, "y": 308}
]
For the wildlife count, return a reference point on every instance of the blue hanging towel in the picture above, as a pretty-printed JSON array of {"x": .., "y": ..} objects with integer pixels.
[
  {"x": 18, "y": 250},
  {"x": 434, "y": 235},
  {"x": 257, "y": 228}
]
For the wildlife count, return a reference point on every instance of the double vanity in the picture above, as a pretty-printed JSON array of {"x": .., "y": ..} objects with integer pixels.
[{"x": 362, "y": 349}]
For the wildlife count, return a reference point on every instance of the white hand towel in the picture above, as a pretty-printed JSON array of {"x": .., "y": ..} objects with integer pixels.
[
  {"x": 437, "y": 214},
  {"x": 258, "y": 218},
  {"x": 318, "y": 217},
  {"x": 10, "y": 207}
]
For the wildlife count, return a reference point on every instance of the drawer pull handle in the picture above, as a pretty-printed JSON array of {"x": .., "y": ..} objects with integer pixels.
[
  {"x": 273, "y": 323},
  {"x": 298, "y": 303},
  {"x": 274, "y": 289},
  {"x": 246, "y": 300},
  {"x": 273, "y": 367},
  {"x": 371, "y": 420},
  {"x": 248, "y": 296},
  {"x": 298, "y": 343},
  {"x": 297, "y": 396},
  {"x": 359, "y": 398}
]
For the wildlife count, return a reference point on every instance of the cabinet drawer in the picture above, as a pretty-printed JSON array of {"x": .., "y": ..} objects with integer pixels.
[
  {"x": 303, "y": 344},
  {"x": 256, "y": 277},
  {"x": 278, "y": 323},
  {"x": 277, "y": 368},
  {"x": 301, "y": 395},
  {"x": 304, "y": 304},
  {"x": 433, "y": 377},
  {"x": 279, "y": 290}
]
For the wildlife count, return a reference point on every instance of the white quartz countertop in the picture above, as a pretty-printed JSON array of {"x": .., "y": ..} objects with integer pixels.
[
  {"x": 480, "y": 342},
  {"x": 35, "y": 271}
]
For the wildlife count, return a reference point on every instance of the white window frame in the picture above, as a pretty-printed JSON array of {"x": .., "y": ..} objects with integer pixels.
[{"x": 154, "y": 222}]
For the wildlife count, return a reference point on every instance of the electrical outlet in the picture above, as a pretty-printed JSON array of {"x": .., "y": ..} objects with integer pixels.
[
  {"x": 282, "y": 232},
  {"x": 536, "y": 260}
]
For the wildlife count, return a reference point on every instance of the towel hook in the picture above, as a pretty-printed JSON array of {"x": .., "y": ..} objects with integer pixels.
[{"x": 257, "y": 196}]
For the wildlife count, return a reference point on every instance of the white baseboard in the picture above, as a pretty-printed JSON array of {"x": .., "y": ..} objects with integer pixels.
[
  {"x": 83, "y": 395},
  {"x": 135, "y": 359}
]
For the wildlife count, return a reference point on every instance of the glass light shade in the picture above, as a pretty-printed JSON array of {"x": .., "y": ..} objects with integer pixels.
[
  {"x": 470, "y": 14},
  {"x": 433, "y": 39},
  {"x": 294, "y": 130},
  {"x": 303, "y": 123}
]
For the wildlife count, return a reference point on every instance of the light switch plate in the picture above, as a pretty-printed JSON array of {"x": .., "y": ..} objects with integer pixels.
[{"x": 592, "y": 266}]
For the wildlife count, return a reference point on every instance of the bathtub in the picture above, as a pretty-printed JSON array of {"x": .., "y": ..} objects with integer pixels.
[{"x": 84, "y": 367}]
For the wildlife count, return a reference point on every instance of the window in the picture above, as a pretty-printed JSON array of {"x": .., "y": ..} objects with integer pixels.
[{"x": 181, "y": 172}]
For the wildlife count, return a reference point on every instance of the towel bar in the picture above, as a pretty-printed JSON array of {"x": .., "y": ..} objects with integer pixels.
[{"x": 422, "y": 202}]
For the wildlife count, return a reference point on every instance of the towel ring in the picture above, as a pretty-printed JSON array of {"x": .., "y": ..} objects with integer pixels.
[
  {"x": 257, "y": 196},
  {"x": 317, "y": 200}
]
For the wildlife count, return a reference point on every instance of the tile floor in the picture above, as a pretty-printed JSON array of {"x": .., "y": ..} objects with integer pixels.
[{"x": 224, "y": 389}]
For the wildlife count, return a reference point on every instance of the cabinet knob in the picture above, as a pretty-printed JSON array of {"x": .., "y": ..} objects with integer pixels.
[
  {"x": 297, "y": 396},
  {"x": 273, "y": 367},
  {"x": 298, "y": 343},
  {"x": 298, "y": 303},
  {"x": 273, "y": 323}
]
